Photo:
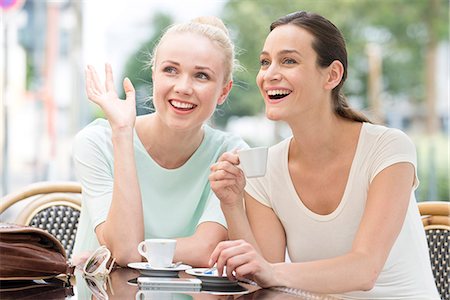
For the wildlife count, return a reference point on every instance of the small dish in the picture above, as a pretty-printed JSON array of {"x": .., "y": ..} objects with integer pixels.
[
  {"x": 210, "y": 278},
  {"x": 146, "y": 269}
]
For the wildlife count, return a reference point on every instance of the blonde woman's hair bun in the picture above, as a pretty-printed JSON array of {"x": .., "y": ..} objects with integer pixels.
[{"x": 212, "y": 21}]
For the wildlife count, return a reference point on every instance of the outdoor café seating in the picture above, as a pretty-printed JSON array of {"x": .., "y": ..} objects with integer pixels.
[
  {"x": 52, "y": 206},
  {"x": 436, "y": 222},
  {"x": 55, "y": 207}
]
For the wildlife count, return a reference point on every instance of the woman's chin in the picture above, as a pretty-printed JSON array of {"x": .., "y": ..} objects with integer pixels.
[{"x": 272, "y": 115}]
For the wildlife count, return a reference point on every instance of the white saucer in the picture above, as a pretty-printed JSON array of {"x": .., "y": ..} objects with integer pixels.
[
  {"x": 210, "y": 278},
  {"x": 227, "y": 293},
  {"x": 146, "y": 269}
]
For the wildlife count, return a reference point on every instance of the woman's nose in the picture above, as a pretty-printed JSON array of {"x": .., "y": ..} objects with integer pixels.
[
  {"x": 272, "y": 73},
  {"x": 183, "y": 85}
]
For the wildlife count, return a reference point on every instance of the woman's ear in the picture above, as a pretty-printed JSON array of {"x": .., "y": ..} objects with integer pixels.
[
  {"x": 335, "y": 73},
  {"x": 225, "y": 91}
]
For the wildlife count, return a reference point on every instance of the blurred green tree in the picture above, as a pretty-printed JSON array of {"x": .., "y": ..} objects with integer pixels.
[{"x": 408, "y": 32}]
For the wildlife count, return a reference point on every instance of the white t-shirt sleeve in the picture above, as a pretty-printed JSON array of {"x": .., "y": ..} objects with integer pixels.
[
  {"x": 257, "y": 188},
  {"x": 94, "y": 173},
  {"x": 213, "y": 212},
  {"x": 393, "y": 147},
  {"x": 261, "y": 188}
]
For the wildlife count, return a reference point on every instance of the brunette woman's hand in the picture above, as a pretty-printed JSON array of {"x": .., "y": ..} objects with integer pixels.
[
  {"x": 227, "y": 180},
  {"x": 120, "y": 113},
  {"x": 242, "y": 261}
]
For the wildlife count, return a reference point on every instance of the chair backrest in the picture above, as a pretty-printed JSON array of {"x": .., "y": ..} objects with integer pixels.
[
  {"x": 436, "y": 222},
  {"x": 52, "y": 206}
]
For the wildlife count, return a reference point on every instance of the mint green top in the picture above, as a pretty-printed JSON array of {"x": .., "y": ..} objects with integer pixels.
[{"x": 175, "y": 201}]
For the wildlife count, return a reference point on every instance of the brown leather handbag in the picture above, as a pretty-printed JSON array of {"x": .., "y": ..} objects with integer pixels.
[
  {"x": 54, "y": 289},
  {"x": 28, "y": 253}
]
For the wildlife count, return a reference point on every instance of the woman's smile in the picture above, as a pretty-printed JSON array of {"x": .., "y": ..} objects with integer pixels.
[
  {"x": 182, "y": 107},
  {"x": 276, "y": 95}
]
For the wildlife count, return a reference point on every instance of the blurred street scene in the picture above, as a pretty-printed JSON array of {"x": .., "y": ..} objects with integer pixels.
[{"x": 399, "y": 73}]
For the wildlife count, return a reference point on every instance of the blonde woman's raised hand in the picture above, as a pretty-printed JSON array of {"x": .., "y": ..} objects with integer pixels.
[{"x": 120, "y": 113}]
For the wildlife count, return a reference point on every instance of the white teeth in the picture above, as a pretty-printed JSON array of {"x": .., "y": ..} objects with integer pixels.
[
  {"x": 183, "y": 105},
  {"x": 278, "y": 92}
]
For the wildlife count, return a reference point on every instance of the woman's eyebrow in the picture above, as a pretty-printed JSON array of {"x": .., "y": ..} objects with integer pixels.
[
  {"x": 196, "y": 67},
  {"x": 285, "y": 51},
  {"x": 205, "y": 68},
  {"x": 289, "y": 51},
  {"x": 170, "y": 61}
]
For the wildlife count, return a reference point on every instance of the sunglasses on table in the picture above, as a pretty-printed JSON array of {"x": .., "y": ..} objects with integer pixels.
[
  {"x": 100, "y": 263},
  {"x": 99, "y": 286}
]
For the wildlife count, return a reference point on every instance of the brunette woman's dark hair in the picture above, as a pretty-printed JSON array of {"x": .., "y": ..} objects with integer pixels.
[{"x": 329, "y": 44}]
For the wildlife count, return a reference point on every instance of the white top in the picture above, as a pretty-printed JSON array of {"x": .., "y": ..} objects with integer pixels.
[
  {"x": 175, "y": 201},
  {"x": 407, "y": 272}
]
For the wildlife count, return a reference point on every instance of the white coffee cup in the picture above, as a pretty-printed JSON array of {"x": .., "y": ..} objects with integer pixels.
[
  {"x": 253, "y": 161},
  {"x": 158, "y": 252}
]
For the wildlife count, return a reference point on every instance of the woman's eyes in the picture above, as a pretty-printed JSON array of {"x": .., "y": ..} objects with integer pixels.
[
  {"x": 289, "y": 61},
  {"x": 202, "y": 75},
  {"x": 264, "y": 62},
  {"x": 171, "y": 70},
  {"x": 199, "y": 75}
]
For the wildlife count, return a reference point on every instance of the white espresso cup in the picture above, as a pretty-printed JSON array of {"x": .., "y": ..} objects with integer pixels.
[
  {"x": 158, "y": 252},
  {"x": 253, "y": 161}
]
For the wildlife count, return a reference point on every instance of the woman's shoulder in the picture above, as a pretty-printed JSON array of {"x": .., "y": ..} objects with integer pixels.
[
  {"x": 98, "y": 126},
  {"x": 93, "y": 140},
  {"x": 383, "y": 134},
  {"x": 382, "y": 139},
  {"x": 97, "y": 130}
]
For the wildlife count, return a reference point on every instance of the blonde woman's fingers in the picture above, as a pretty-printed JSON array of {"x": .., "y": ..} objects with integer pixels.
[
  {"x": 95, "y": 79},
  {"x": 129, "y": 90},
  {"x": 90, "y": 88},
  {"x": 109, "y": 82},
  {"x": 88, "y": 80},
  {"x": 91, "y": 91}
]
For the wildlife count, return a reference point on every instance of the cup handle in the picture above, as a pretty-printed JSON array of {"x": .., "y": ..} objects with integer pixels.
[{"x": 141, "y": 249}]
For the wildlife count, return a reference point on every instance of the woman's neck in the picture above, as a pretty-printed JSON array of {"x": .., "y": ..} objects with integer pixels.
[
  {"x": 320, "y": 141},
  {"x": 169, "y": 148}
]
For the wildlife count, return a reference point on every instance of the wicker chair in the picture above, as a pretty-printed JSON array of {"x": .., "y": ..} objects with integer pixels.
[
  {"x": 52, "y": 206},
  {"x": 436, "y": 221}
]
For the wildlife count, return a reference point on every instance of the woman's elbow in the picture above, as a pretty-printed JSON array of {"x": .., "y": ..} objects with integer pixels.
[
  {"x": 123, "y": 258},
  {"x": 203, "y": 253},
  {"x": 369, "y": 279},
  {"x": 368, "y": 267},
  {"x": 367, "y": 286},
  {"x": 123, "y": 253}
]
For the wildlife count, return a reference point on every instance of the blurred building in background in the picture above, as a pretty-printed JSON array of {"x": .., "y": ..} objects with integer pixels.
[
  {"x": 45, "y": 47},
  {"x": 41, "y": 92}
]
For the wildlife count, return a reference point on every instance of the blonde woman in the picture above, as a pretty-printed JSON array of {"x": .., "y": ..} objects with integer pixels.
[{"x": 147, "y": 176}]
